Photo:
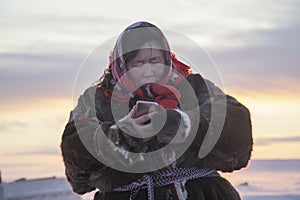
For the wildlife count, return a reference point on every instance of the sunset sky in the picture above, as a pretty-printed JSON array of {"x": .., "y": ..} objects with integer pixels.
[{"x": 254, "y": 44}]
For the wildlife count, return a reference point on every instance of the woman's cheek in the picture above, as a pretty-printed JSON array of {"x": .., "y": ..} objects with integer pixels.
[
  {"x": 135, "y": 75},
  {"x": 159, "y": 71}
]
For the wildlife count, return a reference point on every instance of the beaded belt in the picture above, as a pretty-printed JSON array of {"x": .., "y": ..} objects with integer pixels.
[{"x": 162, "y": 178}]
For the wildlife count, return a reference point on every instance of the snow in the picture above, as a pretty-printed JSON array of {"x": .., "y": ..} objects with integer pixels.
[
  {"x": 38, "y": 189},
  {"x": 268, "y": 179},
  {"x": 261, "y": 180}
]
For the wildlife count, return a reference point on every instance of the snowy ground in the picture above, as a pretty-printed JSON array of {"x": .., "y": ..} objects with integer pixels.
[
  {"x": 261, "y": 180},
  {"x": 37, "y": 189},
  {"x": 268, "y": 179}
]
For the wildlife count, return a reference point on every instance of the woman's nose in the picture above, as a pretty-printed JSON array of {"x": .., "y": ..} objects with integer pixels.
[{"x": 147, "y": 70}]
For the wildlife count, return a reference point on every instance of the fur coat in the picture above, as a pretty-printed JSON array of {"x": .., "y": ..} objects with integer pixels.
[{"x": 231, "y": 151}]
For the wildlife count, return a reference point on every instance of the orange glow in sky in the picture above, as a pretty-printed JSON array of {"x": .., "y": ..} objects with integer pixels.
[{"x": 31, "y": 137}]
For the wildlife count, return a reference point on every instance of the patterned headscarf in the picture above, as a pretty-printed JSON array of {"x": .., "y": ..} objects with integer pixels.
[{"x": 145, "y": 32}]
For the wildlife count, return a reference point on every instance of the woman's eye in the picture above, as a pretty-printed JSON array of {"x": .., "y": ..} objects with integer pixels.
[
  {"x": 137, "y": 64},
  {"x": 155, "y": 60}
]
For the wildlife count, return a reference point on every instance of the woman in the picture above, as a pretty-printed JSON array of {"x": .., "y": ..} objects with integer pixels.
[{"x": 173, "y": 150}]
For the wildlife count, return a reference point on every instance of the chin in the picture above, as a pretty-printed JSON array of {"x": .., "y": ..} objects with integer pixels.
[
  {"x": 147, "y": 82},
  {"x": 143, "y": 82}
]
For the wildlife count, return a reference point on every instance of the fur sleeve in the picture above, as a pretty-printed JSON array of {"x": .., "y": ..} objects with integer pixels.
[
  {"x": 77, "y": 144},
  {"x": 233, "y": 147},
  {"x": 83, "y": 168}
]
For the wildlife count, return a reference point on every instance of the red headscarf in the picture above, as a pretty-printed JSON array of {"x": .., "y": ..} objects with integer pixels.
[{"x": 164, "y": 92}]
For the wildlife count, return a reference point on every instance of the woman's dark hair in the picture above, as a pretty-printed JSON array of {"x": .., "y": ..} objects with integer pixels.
[{"x": 134, "y": 39}]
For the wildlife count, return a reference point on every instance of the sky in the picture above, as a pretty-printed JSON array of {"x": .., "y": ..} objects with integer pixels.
[{"x": 44, "y": 44}]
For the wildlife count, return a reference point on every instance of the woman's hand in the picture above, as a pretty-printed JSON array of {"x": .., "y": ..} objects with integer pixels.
[
  {"x": 169, "y": 123},
  {"x": 139, "y": 127}
]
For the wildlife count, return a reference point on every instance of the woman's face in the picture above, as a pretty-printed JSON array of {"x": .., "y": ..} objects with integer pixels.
[{"x": 147, "y": 66}]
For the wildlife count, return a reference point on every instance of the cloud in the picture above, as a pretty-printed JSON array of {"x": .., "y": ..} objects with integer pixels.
[
  {"x": 25, "y": 76},
  {"x": 276, "y": 51},
  {"x": 272, "y": 60},
  {"x": 36, "y": 152},
  {"x": 265, "y": 37},
  {"x": 272, "y": 140},
  {"x": 5, "y": 125}
]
